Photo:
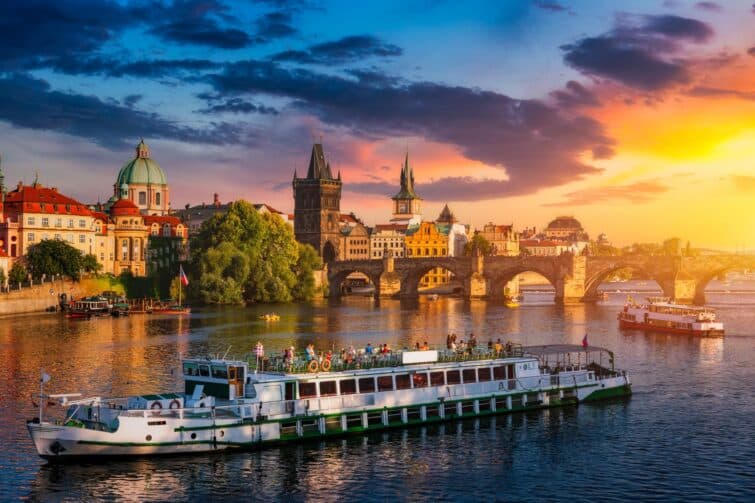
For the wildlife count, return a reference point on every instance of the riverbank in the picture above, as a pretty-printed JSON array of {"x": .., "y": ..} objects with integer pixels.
[{"x": 43, "y": 296}]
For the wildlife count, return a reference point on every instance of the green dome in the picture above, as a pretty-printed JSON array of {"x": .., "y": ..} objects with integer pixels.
[{"x": 142, "y": 170}]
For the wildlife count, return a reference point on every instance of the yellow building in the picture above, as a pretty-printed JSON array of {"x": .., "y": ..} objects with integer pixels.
[
  {"x": 429, "y": 239},
  {"x": 33, "y": 213}
]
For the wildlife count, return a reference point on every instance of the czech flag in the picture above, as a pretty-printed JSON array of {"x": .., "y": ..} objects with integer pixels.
[
  {"x": 584, "y": 341},
  {"x": 182, "y": 275}
]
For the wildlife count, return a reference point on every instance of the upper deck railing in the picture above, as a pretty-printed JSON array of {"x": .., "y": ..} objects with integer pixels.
[{"x": 301, "y": 364}]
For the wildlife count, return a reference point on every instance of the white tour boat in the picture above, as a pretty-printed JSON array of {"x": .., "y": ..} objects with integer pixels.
[
  {"x": 662, "y": 315},
  {"x": 240, "y": 403}
]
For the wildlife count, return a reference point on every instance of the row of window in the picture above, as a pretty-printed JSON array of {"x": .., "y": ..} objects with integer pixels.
[
  {"x": 404, "y": 381},
  {"x": 32, "y": 237},
  {"x": 143, "y": 198},
  {"x": 45, "y": 222},
  {"x": 418, "y": 252}
]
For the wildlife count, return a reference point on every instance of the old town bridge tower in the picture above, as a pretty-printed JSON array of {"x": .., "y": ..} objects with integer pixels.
[{"x": 317, "y": 207}]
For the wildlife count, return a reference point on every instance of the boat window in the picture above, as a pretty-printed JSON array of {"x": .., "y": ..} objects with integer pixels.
[
  {"x": 367, "y": 385},
  {"x": 204, "y": 370},
  {"x": 307, "y": 389},
  {"x": 436, "y": 379},
  {"x": 402, "y": 381},
  {"x": 483, "y": 374},
  {"x": 453, "y": 377},
  {"x": 328, "y": 388},
  {"x": 219, "y": 372},
  {"x": 385, "y": 383},
  {"x": 469, "y": 375},
  {"x": 191, "y": 369},
  {"x": 348, "y": 386},
  {"x": 419, "y": 380}
]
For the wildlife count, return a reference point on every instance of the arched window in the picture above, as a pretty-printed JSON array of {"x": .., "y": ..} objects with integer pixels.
[
  {"x": 157, "y": 198},
  {"x": 124, "y": 249},
  {"x": 142, "y": 198}
]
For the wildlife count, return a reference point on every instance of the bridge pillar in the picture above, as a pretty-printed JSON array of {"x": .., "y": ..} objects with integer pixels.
[
  {"x": 685, "y": 286},
  {"x": 389, "y": 283},
  {"x": 570, "y": 287},
  {"x": 478, "y": 285}
]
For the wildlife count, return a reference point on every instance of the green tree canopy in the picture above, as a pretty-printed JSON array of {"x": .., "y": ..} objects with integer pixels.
[
  {"x": 478, "y": 244},
  {"x": 17, "y": 273},
  {"x": 243, "y": 256},
  {"x": 52, "y": 256}
]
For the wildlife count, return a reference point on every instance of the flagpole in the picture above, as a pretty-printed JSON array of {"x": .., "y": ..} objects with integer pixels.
[{"x": 41, "y": 394}]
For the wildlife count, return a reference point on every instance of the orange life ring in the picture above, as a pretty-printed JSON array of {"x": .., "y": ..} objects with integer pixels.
[
  {"x": 176, "y": 403},
  {"x": 156, "y": 405},
  {"x": 326, "y": 366},
  {"x": 312, "y": 367}
]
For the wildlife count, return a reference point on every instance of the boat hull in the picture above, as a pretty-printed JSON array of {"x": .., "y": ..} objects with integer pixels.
[
  {"x": 160, "y": 433},
  {"x": 633, "y": 325}
]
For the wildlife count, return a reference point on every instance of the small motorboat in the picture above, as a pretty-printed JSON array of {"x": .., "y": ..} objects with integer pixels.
[{"x": 270, "y": 317}]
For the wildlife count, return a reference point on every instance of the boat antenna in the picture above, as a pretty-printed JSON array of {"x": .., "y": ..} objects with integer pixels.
[{"x": 226, "y": 352}]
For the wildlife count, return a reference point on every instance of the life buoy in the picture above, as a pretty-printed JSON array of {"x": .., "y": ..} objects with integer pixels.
[
  {"x": 175, "y": 403},
  {"x": 326, "y": 366},
  {"x": 156, "y": 405},
  {"x": 312, "y": 367}
]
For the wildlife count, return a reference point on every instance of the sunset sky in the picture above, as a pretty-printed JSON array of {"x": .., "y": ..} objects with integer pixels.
[{"x": 638, "y": 118}]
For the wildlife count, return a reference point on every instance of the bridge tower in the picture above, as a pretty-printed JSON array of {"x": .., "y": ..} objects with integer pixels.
[
  {"x": 317, "y": 207},
  {"x": 570, "y": 287}
]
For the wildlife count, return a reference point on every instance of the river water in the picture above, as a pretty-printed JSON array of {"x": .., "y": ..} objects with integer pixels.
[{"x": 688, "y": 432}]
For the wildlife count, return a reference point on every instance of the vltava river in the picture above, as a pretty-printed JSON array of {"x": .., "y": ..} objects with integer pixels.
[{"x": 687, "y": 433}]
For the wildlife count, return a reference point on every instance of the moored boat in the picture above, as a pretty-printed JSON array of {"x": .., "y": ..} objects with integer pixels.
[
  {"x": 250, "y": 403},
  {"x": 660, "y": 314},
  {"x": 87, "y": 308}
]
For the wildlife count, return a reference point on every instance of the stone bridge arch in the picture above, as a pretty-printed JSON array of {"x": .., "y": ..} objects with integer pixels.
[
  {"x": 704, "y": 270},
  {"x": 499, "y": 271},
  {"x": 411, "y": 271},
  {"x": 339, "y": 271},
  {"x": 597, "y": 278}
]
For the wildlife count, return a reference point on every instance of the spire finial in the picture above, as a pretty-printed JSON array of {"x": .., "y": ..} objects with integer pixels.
[{"x": 36, "y": 178}]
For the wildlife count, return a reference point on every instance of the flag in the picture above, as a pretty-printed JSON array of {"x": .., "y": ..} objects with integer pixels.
[
  {"x": 182, "y": 275},
  {"x": 45, "y": 377},
  {"x": 584, "y": 341}
]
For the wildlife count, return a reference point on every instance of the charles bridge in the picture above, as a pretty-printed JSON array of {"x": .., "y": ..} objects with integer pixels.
[{"x": 575, "y": 278}]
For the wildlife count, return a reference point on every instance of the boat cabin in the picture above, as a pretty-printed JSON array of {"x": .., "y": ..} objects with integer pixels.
[{"x": 223, "y": 379}]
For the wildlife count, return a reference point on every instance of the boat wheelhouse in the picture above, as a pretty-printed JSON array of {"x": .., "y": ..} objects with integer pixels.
[
  {"x": 88, "y": 307},
  {"x": 660, "y": 314},
  {"x": 248, "y": 403}
]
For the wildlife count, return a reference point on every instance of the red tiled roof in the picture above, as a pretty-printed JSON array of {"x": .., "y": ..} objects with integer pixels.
[
  {"x": 391, "y": 227},
  {"x": 124, "y": 207},
  {"x": 100, "y": 216},
  {"x": 162, "y": 220},
  {"x": 38, "y": 199},
  {"x": 538, "y": 242}
]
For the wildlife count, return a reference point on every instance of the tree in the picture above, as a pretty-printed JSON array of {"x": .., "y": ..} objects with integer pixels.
[
  {"x": 2, "y": 277},
  {"x": 17, "y": 273},
  {"x": 242, "y": 256},
  {"x": 89, "y": 263},
  {"x": 306, "y": 264},
  {"x": 478, "y": 244},
  {"x": 52, "y": 256}
]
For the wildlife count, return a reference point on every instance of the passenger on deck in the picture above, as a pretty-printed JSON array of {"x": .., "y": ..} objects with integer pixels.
[
  {"x": 310, "y": 352},
  {"x": 498, "y": 347},
  {"x": 449, "y": 340},
  {"x": 425, "y": 347},
  {"x": 416, "y": 347},
  {"x": 490, "y": 344},
  {"x": 472, "y": 341},
  {"x": 508, "y": 346},
  {"x": 368, "y": 349}
]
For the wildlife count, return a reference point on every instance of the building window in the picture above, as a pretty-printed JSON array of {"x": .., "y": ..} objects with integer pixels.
[
  {"x": 31, "y": 221},
  {"x": 82, "y": 238},
  {"x": 82, "y": 223},
  {"x": 57, "y": 237},
  {"x": 70, "y": 223},
  {"x": 102, "y": 257},
  {"x": 30, "y": 237},
  {"x": 166, "y": 230},
  {"x": 142, "y": 198},
  {"x": 70, "y": 238},
  {"x": 124, "y": 249},
  {"x": 58, "y": 222},
  {"x": 45, "y": 222},
  {"x": 157, "y": 198}
]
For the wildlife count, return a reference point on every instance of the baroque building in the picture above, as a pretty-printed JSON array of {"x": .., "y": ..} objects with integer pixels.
[
  {"x": 317, "y": 207},
  {"x": 503, "y": 238},
  {"x": 143, "y": 182}
]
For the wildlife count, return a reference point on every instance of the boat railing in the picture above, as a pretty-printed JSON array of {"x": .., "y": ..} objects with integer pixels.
[{"x": 300, "y": 364}]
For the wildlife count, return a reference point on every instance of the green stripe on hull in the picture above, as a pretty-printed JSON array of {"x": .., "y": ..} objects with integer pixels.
[{"x": 603, "y": 394}]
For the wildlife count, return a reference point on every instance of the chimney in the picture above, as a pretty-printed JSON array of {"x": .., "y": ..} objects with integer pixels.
[{"x": 216, "y": 200}]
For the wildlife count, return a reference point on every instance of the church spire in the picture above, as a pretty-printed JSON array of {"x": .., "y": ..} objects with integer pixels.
[
  {"x": 2, "y": 182},
  {"x": 407, "y": 181}
]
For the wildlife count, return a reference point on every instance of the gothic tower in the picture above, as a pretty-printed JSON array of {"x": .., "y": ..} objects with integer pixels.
[
  {"x": 406, "y": 204},
  {"x": 317, "y": 207}
]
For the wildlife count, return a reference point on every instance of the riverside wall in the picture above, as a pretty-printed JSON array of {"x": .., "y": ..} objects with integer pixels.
[{"x": 39, "y": 297}]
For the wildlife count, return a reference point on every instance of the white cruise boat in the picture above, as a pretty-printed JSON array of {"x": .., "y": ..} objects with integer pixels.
[
  {"x": 660, "y": 314},
  {"x": 240, "y": 403}
]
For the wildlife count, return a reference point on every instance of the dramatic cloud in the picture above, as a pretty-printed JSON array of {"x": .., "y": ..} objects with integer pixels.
[
  {"x": 638, "y": 192},
  {"x": 551, "y": 6},
  {"x": 236, "y": 106},
  {"x": 109, "y": 67},
  {"x": 455, "y": 188},
  {"x": 274, "y": 25},
  {"x": 575, "y": 95},
  {"x": 751, "y": 51},
  {"x": 536, "y": 144},
  {"x": 345, "y": 50},
  {"x": 30, "y": 103},
  {"x": 642, "y": 53},
  {"x": 709, "y": 6},
  {"x": 132, "y": 99},
  {"x": 202, "y": 32},
  {"x": 714, "y": 92}
]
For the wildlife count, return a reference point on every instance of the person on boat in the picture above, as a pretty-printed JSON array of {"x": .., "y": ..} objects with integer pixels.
[
  {"x": 472, "y": 341},
  {"x": 368, "y": 349},
  {"x": 462, "y": 346},
  {"x": 425, "y": 346},
  {"x": 328, "y": 355},
  {"x": 448, "y": 341},
  {"x": 310, "y": 352},
  {"x": 508, "y": 346},
  {"x": 416, "y": 347},
  {"x": 498, "y": 347},
  {"x": 453, "y": 346},
  {"x": 490, "y": 344}
]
